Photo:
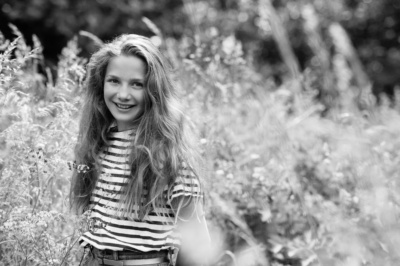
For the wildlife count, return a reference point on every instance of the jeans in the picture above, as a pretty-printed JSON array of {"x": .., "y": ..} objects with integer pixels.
[{"x": 94, "y": 258}]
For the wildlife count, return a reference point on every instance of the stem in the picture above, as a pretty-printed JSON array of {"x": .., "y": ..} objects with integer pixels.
[
  {"x": 39, "y": 188},
  {"x": 23, "y": 251},
  {"x": 40, "y": 254},
  {"x": 69, "y": 249},
  {"x": 48, "y": 245}
]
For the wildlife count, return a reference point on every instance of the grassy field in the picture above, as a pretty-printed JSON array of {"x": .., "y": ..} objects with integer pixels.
[{"x": 293, "y": 175}]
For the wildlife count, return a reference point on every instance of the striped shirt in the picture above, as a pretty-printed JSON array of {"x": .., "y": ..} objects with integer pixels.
[{"x": 106, "y": 230}]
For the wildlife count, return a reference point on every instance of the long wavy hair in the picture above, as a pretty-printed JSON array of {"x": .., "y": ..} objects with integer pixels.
[{"x": 162, "y": 142}]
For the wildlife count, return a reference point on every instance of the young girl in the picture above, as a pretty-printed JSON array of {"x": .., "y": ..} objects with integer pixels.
[{"x": 136, "y": 180}]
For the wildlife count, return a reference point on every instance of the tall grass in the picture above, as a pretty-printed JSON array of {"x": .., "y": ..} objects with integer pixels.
[{"x": 288, "y": 181}]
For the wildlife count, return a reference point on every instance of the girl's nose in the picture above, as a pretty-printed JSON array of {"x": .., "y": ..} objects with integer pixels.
[{"x": 123, "y": 92}]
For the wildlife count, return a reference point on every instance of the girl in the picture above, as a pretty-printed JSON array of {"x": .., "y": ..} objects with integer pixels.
[{"x": 136, "y": 181}]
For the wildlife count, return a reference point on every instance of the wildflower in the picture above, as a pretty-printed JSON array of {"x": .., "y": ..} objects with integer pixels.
[
  {"x": 219, "y": 172},
  {"x": 80, "y": 168}
]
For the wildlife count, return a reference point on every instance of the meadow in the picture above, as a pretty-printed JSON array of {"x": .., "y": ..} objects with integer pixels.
[{"x": 290, "y": 179}]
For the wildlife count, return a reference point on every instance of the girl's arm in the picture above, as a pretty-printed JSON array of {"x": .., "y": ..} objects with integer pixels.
[{"x": 195, "y": 238}]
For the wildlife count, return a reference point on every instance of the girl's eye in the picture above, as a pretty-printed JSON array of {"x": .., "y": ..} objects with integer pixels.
[
  {"x": 115, "y": 81},
  {"x": 137, "y": 85}
]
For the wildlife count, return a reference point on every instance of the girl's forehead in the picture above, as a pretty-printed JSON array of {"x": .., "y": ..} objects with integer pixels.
[{"x": 126, "y": 66}]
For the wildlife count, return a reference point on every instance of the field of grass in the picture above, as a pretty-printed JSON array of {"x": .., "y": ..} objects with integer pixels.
[{"x": 289, "y": 179}]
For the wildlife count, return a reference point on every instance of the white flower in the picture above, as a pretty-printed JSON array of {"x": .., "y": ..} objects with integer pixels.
[{"x": 220, "y": 172}]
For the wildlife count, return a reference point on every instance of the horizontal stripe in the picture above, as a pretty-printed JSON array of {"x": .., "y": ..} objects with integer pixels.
[
  {"x": 179, "y": 185},
  {"x": 104, "y": 190},
  {"x": 114, "y": 244},
  {"x": 117, "y": 242},
  {"x": 135, "y": 234},
  {"x": 114, "y": 139},
  {"x": 154, "y": 234},
  {"x": 138, "y": 226},
  {"x": 116, "y": 175},
  {"x": 113, "y": 205},
  {"x": 125, "y": 151},
  {"x": 111, "y": 166},
  {"x": 113, "y": 200},
  {"x": 186, "y": 193},
  {"x": 103, "y": 197},
  {"x": 143, "y": 241},
  {"x": 152, "y": 216},
  {"x": 108, "y": 182},
  {"x": 113, "y": 232},
  {"x": 117, "y": 162},
  {"x": 151, "y": 219},
  {"x": 120, "y": 147},
  {"x": 113, "y": 154}
]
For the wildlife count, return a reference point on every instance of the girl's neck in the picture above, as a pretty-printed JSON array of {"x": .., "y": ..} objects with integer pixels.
[{"x": 122, "y": 128}]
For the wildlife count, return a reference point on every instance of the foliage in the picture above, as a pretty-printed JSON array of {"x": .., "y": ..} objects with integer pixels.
[
  {"x": 373, "y": 27},
  {"x": 285, "y": 184},
  {"x": 38, "y": 122}
]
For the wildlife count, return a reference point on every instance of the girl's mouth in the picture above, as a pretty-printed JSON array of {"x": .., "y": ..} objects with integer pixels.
[{"x": 124, "y": 106}]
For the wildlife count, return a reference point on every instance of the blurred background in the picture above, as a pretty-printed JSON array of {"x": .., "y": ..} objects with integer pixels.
[
  {"x": 295, "y": 103},
  {"x": 372, "y": 26}
]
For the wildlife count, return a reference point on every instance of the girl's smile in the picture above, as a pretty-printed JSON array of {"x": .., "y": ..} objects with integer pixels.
[
  {"x": 124, "y": 90},
  {"x": 124, "y": 106}
]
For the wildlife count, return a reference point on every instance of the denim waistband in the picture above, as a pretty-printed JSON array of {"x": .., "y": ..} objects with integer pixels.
[{"x": 128, "y": 254}]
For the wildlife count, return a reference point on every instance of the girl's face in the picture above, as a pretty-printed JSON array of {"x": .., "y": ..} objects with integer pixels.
[{"x": 124, "y": 90}]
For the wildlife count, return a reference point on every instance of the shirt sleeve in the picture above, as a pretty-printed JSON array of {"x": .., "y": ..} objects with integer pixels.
[{"x": 186, "y": 184}]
